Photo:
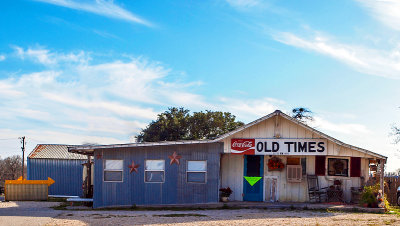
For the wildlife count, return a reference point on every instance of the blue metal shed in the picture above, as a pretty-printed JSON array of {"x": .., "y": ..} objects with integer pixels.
[
  {"x": 175, "y": 188},
  {"x": 54, "y": 161}
]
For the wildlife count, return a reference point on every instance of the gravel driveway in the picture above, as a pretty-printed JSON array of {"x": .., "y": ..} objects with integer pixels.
[{"x": 39, "y": 213}]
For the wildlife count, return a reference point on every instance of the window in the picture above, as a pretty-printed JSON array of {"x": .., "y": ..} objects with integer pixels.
[
  {"x": 196, "y": 171},
  {"x": 154, "y": 171},
  {"x": 113, "y": 170},
  {"x": 304, "y": 166},
  {"x": 320, "y": 165},
  {"x": 293, "y": 173},
  {"x": 338, "y": 167}
]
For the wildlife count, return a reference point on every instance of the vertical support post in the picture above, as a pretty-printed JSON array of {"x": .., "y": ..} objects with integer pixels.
[
  {"x": 382, "y": 177},
  {"x": 89, "y": 176}
]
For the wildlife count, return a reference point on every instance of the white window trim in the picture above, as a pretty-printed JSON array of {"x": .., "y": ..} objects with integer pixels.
[
  {"x": 154, "y": 182},
  {"x": 121, "y": 170},
  {"x": 191, "y": 171}
]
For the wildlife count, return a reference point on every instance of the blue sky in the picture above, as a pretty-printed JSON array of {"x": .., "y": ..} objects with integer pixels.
[{"x": 99, "y": 71}]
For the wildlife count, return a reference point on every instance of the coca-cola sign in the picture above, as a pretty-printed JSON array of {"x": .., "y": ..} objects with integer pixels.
[
  {"x": 265, "y": 146},
  {"x": 243, "y": 146}
]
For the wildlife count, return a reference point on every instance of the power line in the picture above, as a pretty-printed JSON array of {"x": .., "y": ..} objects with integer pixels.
[{"x": 8, "y": 138}]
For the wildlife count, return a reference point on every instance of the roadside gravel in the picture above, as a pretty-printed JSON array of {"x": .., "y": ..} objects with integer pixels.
[{"x": 39, "y": 213}]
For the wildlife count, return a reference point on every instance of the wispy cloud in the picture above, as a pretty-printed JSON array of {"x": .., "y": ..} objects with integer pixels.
[
  {"x": 366, "y": 60},
  {"x": 386, "y": 11},
  {"x": 44, "y": 56},
  {"x": 72, "y": 94},
  {"x": 105, "y": 8},
  {"x": 342, "y": 128},
  {"x": 2, "y": 57},
  {"x": 249, "y": 109},
  {"x": 243, "y": 3}
]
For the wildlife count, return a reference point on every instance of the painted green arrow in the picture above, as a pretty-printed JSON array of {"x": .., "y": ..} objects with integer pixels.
[{"x": 252, "y": 180}]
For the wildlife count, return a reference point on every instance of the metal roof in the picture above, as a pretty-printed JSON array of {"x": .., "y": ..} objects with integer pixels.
[
  {"x": 85, "y": 149},
  {"x": 54, "y": 151},
  {"x": 88, "y": 149}
]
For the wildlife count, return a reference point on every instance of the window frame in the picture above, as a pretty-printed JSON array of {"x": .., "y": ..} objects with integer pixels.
[
  {"x": 163, "y": 171},
  {"x": 113, "y": 170},
  {"x": 191, "y": 171},
  {"x": 347, "y": 160}
]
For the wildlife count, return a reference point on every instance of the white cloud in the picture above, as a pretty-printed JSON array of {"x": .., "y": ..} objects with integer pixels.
[
  {"x": 249, "y": 109},
  {"x": 342, "y": 128},
  {"x": 2, "y": 57},
  {"x": 73, "y": 95},
  {"x": 366, "y": 60},
  {"x": 105, "y": 8},
  {"x": 48, "y": 58},
  {"x": 386, "y": 11}
]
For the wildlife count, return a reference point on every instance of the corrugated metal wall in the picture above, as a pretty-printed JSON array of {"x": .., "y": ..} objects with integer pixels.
[
  {"x": 175, "y": 189},
  {"x": 67, "y": 174},
  {"x": 26, "y": 192}
]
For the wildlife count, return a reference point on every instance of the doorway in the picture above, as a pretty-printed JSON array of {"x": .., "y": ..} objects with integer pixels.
[{"x": 253, "y": 178}]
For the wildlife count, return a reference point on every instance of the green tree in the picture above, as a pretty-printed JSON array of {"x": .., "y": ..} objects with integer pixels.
[
  {"x": 178, "y": 124},
  {"x": 302, "y": 114}
]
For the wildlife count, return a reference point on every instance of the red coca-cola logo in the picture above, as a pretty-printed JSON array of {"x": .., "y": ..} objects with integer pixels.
[{"x": 243, "y": 146}]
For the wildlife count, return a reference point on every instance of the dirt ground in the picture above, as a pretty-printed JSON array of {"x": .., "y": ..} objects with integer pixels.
[{"x": 40, "y": 213}]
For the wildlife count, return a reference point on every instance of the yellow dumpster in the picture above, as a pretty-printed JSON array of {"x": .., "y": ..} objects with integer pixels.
[{"x": 27, "y": 190}]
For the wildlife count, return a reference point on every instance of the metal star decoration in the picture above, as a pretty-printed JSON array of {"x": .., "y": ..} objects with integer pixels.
[
  {"x": 98, "y": 156},
  {"x": 133, "y": 167},
  {"x": 174, "y": 158}
]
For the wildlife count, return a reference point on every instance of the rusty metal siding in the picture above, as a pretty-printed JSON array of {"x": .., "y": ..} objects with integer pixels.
[
  {"x": 67, "y": 174},
  {"x": 26, "y": 192},
  {"x": 54, "y": 151},
  {"x": 175, "y": 190}
]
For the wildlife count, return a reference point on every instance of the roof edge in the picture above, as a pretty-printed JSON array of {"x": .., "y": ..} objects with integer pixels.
[{"x": 85, "y": 149}]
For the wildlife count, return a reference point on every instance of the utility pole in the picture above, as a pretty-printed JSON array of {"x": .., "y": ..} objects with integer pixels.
[{"x": 23, "y": 154}]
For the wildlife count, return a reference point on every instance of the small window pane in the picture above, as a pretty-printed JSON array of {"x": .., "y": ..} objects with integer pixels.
[
  {"x": 155, "y": 165},
  {"x": 196, "y": 177},
  {"x": 338, "y": 167},
  {"x": 154, "y": 176},
  {"x": 113, "y": 165},
  {"x": 112, "y": 175},
  {"x": 197, "y": 166}
]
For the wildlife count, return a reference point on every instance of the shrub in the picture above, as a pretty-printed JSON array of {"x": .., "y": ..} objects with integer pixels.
[
  {"x": 225, "y": 192},
  {"x": 368, "y": 196}
]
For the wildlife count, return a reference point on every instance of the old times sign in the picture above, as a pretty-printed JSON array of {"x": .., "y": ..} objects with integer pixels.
[{"x": 261, "y": 146}]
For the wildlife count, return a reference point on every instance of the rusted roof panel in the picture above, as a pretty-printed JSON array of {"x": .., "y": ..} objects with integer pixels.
[{"x": 53, "y": 151}]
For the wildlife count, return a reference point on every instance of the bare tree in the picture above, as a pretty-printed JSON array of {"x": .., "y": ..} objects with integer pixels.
[
  {"x": 10, "y": 168},
  {"x": 396, "y": 132}
]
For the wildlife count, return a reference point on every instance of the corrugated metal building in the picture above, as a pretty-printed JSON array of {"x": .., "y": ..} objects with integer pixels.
[
  {"x": 54, "y": 161},
  {"x": 142, "y": 174},
  {"x": 269, "y": 159}
]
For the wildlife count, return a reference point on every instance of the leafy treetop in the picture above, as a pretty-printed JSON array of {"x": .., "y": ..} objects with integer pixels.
[{"x": 177, "y": 124}]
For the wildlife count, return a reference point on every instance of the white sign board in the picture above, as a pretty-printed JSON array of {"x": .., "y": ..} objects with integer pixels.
[{"x": 261, "y": 146}]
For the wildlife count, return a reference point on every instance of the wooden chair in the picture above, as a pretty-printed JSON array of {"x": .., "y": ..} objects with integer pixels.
[{"x": 315, "y": 193}]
